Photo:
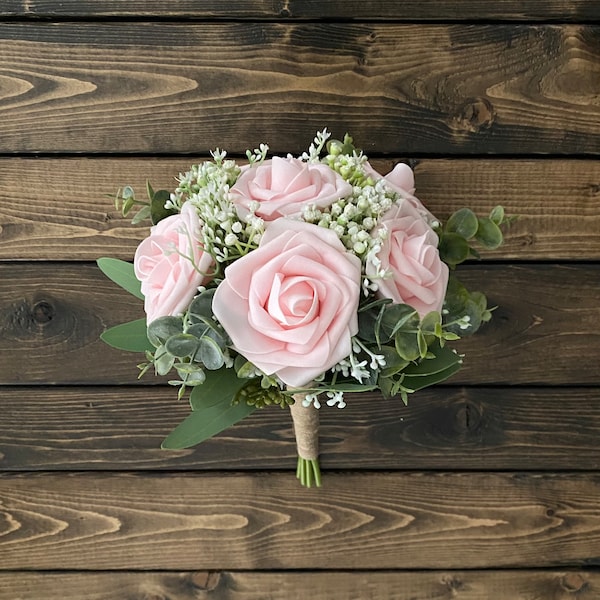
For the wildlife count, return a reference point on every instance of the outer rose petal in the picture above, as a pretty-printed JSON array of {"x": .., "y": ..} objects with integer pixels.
[
  {"x": 169, "y": 279},
  {"x": 284, "y": 186},
  {"x": 290, "y": 306},
  {"x": 409, "y": 254},
  {"x": 401, "y": 180}
]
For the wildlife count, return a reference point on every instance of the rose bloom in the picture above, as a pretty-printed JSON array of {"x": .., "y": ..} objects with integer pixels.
[
  {"x": 282, "y": 187},
  {"x": 171, "y": 265},
  {"x": 290, "y": 306},
  {"x": 409, "y": 254},
  {"x": 401, "y": 180}
]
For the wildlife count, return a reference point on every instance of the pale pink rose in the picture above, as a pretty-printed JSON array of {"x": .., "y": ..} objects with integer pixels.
[
  {"x": 401, "y": 180},
  {"x": 171, "y": 264},
  {"x": 284, "y": 186},
  {"x": 409, "y": 254},
  {"x": 290, "y": 306}
]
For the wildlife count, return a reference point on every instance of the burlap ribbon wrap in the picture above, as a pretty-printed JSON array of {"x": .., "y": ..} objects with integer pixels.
[{"x": 306, "y": 428}]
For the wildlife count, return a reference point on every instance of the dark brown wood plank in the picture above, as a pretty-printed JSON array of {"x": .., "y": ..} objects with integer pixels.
[
  {"x": 173, "y": 87},
  {"x": 231, "y": 585},
  {"x": 441, "y": 10},
  {"x": 68, "y": 213},
  {"x": 266, "y": 521},
  {"x": 544, "y": 331},
  {"x": 442, "y": 428}
]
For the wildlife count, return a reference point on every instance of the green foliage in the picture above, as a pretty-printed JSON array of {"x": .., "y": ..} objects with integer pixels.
[
  {"x": 154, "y": 209},
  {"x": 211, "y": 414},
  {"x": 128, "y": 336},
  {"x": 122, "y": 273},
  {"x": 464, "y": 228}
]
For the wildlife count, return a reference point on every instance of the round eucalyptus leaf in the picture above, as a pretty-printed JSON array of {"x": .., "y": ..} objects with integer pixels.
[
  {"x": 161, "y": 329},
  {"x": 182, "y": 345},
  {"x": 463, "y": 222}
]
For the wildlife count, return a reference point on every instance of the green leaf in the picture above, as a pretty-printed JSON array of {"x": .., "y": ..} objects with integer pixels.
[
  {"x": 128, "y": 336},
  {"x": 407, "y": 345},
  {"x": 209, "y": 354},
  {"x": 157, "y": 206},
  {"x": 397, "y": 317},
  {"x": 163, "y": 361},
  {"x": 181, "y": 345},
  {"x": 204, "y": 423},
  {"x": 444, "y": 359},
  {"x": 463, "y": 222},
  {"x": 497, "y": 215},
  {"x": 201, "y": 306},
  {"x": 122, "y": 274},
  {"x": 219, "y": 384},
  {"x": 418, "y": 382},
  {"x": 489, "y": 234},
  {"x": 161, "y": 329},
  {"x": 453, "y": 248}
]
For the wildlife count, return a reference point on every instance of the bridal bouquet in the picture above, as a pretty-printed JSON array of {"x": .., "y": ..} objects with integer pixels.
[{"x": 292, "y": 281}]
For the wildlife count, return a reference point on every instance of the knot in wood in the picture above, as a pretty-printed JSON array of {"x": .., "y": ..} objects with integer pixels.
[
  {"x": 467, "y": 418},
  {"x": 475, "y": 115},
  {"x": 42, "y": 312},
  {"x": 573, "y": 583}
]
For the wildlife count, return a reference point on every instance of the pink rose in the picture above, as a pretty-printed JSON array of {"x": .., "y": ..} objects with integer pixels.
[
  {"x": 171, "y": 265},
  {"x": 284, "y": 186},
  {"x": 290, "y": 306},
  {"x": 401, "y": 180},
  {"x": 409, "y": 255}
]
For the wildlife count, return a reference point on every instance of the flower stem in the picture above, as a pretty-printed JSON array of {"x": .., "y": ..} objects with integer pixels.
[{"x": 308, "y": 472}]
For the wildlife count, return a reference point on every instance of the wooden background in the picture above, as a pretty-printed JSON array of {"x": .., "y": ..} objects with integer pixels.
[{"x": 485, "y": 488}]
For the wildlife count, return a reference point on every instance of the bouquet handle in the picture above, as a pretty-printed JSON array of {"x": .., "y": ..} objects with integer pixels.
[{"x": 306, "y": 429}]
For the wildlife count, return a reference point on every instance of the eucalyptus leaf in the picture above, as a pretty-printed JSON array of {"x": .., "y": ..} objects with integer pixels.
[
  {"x": 489, "y": 234},
  {"x": 463, "y": 222},
  {"x": 444, "y": 359},
  {"x": 161, "y": 329},
  {"x": 157, "y": 206},
  {"x": 399, "y": 317},
  {"x": 453, "y": 248},
  {"x": 407, "y": 345},
  {"x": 497, "y": 215},
  {"x": 201, "y": 306},
  {"x": 122, "y": 273},
  {"x": 415, "y": 383},
  {"x": 206, "y": 422},
  {"x": 182, "y": 345},
  {"x": 129, "y": 336},
  {"x": 163, "y": 361},
  {"x": 220, "y": 384},
  {"x": 209, "y": 354}
]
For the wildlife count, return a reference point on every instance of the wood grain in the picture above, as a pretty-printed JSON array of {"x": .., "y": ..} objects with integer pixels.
[
  {"x": 544, "y": 331},
  {"x": 66, "y": 211},
  {"x": 175, "y": 87},
  {"x": 442, "y": 428},
  {"x": 441, "y": 10},
  {"x": 266, "y": 521},
  {"x": 336, "y": 585}
]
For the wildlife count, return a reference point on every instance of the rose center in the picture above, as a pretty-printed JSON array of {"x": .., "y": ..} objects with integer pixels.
[{"x": 293, "y": 301}]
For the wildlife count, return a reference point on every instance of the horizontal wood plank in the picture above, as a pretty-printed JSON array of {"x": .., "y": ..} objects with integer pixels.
[
  {"x": 543, "y": 332},
  {"x": 266, "y": 521},
  {"x": 66, "y": 211},
  {"x": 367, "y": 585},
  {"x": 441, "y": 10},
  {"x": 404, "y": 89},
  {"x": 442, "y": 428}
]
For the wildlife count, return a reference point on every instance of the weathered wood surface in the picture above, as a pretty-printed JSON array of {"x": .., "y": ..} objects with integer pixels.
[
  {"x": 66, "y": 212},
  {"x": 542, "y": 429},
  {"x": 544, "y": 331},
  {"x": 366, "y": 585},
  {"x": 412, "y": 10},
  {"x": 169, "y": 87},
  {"x": 259, "y": 521}
]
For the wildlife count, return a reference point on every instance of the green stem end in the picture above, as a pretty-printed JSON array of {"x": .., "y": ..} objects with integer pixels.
[{"x": 308, "y": 472}]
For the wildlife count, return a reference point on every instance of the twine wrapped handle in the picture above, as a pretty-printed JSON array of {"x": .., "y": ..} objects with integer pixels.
[{"x": 306, "y": 428}]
